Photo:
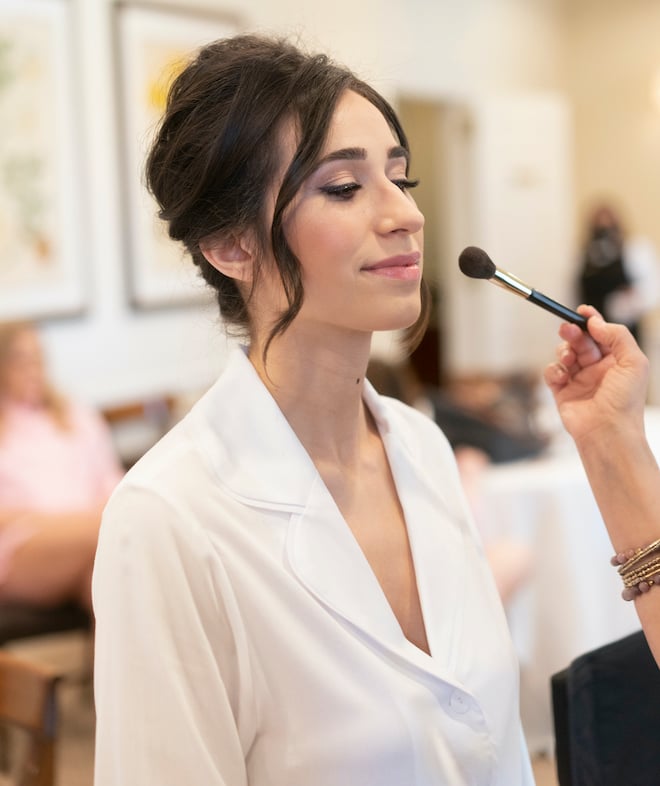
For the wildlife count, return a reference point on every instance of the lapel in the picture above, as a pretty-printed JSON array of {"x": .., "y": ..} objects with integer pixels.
[
  {"x": 436, "y": 518},
  {"x": 256, "y": 456},
  {"x": 327, "y": 559},
  {"x": 270, "y": 469}
]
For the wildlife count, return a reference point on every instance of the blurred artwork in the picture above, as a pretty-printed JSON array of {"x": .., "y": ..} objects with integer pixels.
[
  {"x": 39, "y": 188},
  {"x": 154, "y": 45}
]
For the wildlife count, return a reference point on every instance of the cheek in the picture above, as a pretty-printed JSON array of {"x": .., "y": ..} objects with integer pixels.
[{"x": 330, "y": 237}]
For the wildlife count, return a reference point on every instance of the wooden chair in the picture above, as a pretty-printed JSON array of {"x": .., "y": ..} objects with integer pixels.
[
  {"x": 28, "y": 701},
  {"x": 22, "y": 621},
  {"x": 137, "y": 425}
]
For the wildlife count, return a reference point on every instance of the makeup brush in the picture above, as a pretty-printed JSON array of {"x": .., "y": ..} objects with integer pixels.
[{"x": 476, "y": 263}]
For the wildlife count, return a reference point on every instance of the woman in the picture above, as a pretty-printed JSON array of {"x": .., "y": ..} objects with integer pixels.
[
  {"x": 599, "y": 382},
  {"x": 57, "y": 469},
  {"x": 618, "y": 274},
  {"x": 285, "y": 592}
]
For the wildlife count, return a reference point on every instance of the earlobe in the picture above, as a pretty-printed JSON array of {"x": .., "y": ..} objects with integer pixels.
[{"x": 230, "y": 256}]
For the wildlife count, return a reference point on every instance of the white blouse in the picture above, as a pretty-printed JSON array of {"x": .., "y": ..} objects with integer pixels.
[{"x": 243, "y": 639}]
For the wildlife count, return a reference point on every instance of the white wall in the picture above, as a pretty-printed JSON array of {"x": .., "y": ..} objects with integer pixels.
[
  {"x": 519, "y": 208},
  {"x": 114, "y": 353},
  {"x": 425, "y": 47}
]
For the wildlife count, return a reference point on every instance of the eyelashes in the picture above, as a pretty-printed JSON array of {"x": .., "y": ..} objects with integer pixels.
[
  {"x": 405, "y": 184},
  {"x": 343, "y": 190},
  {"x": 347, "y": 190}
]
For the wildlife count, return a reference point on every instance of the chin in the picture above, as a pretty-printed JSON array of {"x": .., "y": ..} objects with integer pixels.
[{"x": 402, "y": 319}]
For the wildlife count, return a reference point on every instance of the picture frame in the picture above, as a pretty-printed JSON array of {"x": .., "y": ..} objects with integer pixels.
[
  {"x": 41, "y": 190},
  {"x": 153, "y": 42}
]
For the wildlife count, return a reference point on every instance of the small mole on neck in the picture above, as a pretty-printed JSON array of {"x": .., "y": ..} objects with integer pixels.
[{"x": 357, "y": 381}]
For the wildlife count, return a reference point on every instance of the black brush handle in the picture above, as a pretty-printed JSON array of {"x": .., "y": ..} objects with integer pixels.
[{"x": 556, "y": 308}]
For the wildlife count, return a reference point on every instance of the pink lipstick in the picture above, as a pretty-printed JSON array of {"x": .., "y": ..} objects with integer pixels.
[{"x": 404, "y": 267}]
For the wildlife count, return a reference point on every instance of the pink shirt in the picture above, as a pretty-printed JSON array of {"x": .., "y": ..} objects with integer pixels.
[{"x": 46, "y": 468}]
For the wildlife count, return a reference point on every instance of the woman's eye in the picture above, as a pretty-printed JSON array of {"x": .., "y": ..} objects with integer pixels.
[
  {"x": 404, "y": 184},
  {"x": 341, "y": 190}
]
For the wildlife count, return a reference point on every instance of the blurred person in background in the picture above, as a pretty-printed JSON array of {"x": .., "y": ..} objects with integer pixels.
[
  {"x": 57, "y": 469},
  {"x": 618, "y": 273}
]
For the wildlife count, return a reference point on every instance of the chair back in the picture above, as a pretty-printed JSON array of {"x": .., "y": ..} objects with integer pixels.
[
  {"x": 137, "y": 425},
  {"x": 24, "y": 620},
  {"x": 605, "y": 708},
  {"x": 28, "y": 701}
]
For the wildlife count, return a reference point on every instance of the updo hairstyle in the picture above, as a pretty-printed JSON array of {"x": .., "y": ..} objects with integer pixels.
[{"x": 216, "y": 152}]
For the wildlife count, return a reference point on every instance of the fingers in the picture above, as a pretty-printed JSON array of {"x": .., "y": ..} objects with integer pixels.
[
  {"x": 579, "y": 349},
  {"x": 556, "y": 376},
  {"x": 601, "y": 338}
]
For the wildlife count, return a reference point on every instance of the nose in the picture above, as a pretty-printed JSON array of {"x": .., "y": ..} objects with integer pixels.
[{"x": 398, "y": 212}]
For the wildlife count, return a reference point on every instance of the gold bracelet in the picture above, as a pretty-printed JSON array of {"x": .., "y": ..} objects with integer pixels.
[
  {"x": 639, "y": 574},
  {"x": 628, "y": 559},
  {"x": 646, "y": 568},
  {"x": 630, "y": 593}
]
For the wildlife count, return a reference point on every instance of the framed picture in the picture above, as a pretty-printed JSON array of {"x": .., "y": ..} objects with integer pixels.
[
  {"x": 41, "y": 222},
  {"x": 154, "y": 43}
]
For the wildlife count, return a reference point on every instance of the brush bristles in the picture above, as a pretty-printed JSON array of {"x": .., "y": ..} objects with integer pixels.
[{"x": 476, "y": 263}]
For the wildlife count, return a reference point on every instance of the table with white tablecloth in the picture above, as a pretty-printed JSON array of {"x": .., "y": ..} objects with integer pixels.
[{"x": 572, "y": 602}]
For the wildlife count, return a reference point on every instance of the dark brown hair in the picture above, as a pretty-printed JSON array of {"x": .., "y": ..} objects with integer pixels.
[{"x": 216, "y": 153}]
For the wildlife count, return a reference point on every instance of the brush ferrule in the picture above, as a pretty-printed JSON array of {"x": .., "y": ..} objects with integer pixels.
[{"x": 513, "y": 284}]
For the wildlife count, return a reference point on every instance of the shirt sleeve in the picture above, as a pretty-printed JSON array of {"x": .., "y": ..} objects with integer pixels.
[{"x": 172, "y": 682}]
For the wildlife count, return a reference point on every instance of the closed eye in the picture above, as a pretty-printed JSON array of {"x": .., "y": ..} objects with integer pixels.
[
  {"x": 346, "y": 191},
  {"x": 341, "y": 190},
  {"x": 404, "y": 184}
]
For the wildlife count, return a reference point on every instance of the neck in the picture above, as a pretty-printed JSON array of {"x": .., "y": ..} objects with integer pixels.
[{"x": 319, "y": 386}]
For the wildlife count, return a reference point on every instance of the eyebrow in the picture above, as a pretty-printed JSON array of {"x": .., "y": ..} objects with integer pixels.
[{"x": 360, "y": 154}]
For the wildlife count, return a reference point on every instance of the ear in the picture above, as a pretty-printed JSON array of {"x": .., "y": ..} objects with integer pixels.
[{"x": 231, "y": 255}]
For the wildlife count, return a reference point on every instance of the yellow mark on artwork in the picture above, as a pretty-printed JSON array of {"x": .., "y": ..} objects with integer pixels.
[{"x": 158, "y": 88}]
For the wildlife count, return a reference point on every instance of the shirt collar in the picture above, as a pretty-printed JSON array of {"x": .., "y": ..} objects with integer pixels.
[{"x": 256, "y": 455}]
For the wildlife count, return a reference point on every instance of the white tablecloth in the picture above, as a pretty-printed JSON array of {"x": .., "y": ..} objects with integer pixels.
[{"x": 573, "y": 601}]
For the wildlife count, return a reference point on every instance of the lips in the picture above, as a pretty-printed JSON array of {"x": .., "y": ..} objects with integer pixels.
[{"x": 398, "y": 261}]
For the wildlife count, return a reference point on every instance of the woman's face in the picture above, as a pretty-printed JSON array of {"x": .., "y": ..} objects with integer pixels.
[
  {"x": 356, "y": 229},
  {"x": 23, "y": 379}
]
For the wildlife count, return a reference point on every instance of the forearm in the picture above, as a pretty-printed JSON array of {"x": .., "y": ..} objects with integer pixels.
[
  {"x": 37, "y": 520},
  {"x": 625, "y": 480}
]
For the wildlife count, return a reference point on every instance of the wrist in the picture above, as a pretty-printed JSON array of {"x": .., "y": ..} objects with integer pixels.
[
  {"x": 623, "y": 436},
  {"x": 624, "y": 476}
]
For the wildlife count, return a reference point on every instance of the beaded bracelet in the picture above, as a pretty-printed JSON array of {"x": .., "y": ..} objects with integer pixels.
[
  {"x": 639, "y": 573},
  {"x": 639, "y": 569},
  {"x": 628, "y": 559}
]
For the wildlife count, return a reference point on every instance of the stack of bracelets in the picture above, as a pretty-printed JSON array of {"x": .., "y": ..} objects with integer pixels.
[{"x": 639, "y": 569}]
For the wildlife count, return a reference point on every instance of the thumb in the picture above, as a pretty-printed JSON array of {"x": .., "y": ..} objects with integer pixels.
[
  {"x": 618, "y": 342},
  {"x": 612, "y": 338}
]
